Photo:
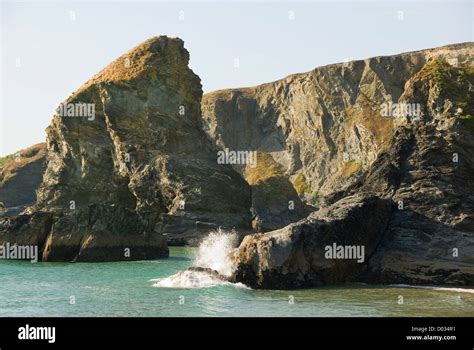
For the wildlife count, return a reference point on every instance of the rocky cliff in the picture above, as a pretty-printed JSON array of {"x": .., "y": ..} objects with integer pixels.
[
  {"x": 324, "y": 127},
  {"x": 399, "y": 128},
  {"x": 361, "y": 171},
  {"x": 128, "y": 165},
  {"x": 20, "y": 176}
]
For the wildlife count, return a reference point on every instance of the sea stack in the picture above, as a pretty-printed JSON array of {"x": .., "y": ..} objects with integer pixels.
[{"x": 129, "y": 167}]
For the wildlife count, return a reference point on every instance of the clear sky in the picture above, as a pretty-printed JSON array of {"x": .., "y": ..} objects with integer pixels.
[{"x": 48, "y": 49}]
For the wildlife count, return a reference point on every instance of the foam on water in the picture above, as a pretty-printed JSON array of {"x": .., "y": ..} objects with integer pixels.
[
  {"x": 445, "y": 289},
  {"x": 213, "y": 253},
  {"x": 188, "y": 279},
  {"x": 192, "y": 279}
]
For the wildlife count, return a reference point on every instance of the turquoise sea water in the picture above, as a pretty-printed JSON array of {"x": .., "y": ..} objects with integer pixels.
[{"x": 125, "y": 289}]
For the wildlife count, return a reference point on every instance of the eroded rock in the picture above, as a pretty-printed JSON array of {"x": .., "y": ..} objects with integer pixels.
[
  {"x": 295, "y": 256},
  {"x": 20, "y": 175},
  {"x": 115, "y": 176},
  {"x": 424, "y": 167}
]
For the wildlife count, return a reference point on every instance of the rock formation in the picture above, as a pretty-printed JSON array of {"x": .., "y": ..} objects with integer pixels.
[
  {"x": 322, "y": 127},
  {"x": 129, "y": 164},
  {"x": 371, "y": 156},
  {"x": 328, "y": 128},
  {"x": 20, "y": 176},
  {"x": 295, "y": 256}
]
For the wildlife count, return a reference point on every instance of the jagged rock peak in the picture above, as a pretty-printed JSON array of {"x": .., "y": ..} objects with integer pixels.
[{"x": 154, "y": 56}]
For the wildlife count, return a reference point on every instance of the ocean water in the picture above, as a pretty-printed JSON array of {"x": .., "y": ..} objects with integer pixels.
[{"x": 161, "y": 288}]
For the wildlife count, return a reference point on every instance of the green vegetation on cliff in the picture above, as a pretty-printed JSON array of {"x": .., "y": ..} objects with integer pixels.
[
  {"x": 454, "y": 83},
  {"x": 266, "y": 168},
  {"x": 6, "y": 159},
  {"x": 300, "y": 184},
  {"x": 267, "y": 178},
  {"x": 350, "y": 168}
]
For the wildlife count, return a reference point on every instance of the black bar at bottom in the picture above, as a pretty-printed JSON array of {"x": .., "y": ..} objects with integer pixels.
[{"x": 445, "y": 333}]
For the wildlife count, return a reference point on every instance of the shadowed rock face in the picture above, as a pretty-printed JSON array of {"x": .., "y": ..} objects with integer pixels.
[
  {"x": 20, "y": 176},
  {"x": 295, "y": 256},
  {"x": 137, "y": 171},
  {"x": 424, "y": 168}
]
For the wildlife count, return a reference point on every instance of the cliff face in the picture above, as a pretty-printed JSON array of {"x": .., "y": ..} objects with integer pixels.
[
  {"x": 128, "y": 164},
  {"x": 341, "y": 141},
  {"x": 323, "y": 127},
  {"x": 428, "y": 172},
  {"x": 20, "y": 176},
  {"x": 374, "y": 155}
]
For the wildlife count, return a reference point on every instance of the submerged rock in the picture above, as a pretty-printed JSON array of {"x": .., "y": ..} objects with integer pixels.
[
  {"x": 193, "y": 277},
  {"x": 209, "y": 271}
]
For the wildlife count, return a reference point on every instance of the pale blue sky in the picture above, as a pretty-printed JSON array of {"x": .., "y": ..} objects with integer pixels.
[{"x": 56, "y": 54}]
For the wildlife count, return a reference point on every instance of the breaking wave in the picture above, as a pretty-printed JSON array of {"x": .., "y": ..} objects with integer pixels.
[
  {"x": 214, "y": 254},
  {"x": 188, "y": 279}
]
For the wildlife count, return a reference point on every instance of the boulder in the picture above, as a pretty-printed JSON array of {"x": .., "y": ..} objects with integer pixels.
[{"x": 297, "y": 255}]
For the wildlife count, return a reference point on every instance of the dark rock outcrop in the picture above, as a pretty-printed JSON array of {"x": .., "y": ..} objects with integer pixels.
[
  {"x": 428, "y": 173},
  {"x": 275, "y": 201},
  {"x": 295, "y": 256},
  {"x": 86, "y": 234},
  {"x": 20, "y": 175},
  {"x": 209, "y": 271}
]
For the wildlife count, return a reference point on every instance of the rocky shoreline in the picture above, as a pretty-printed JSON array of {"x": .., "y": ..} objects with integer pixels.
[{"x": 337, "y": 165}]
